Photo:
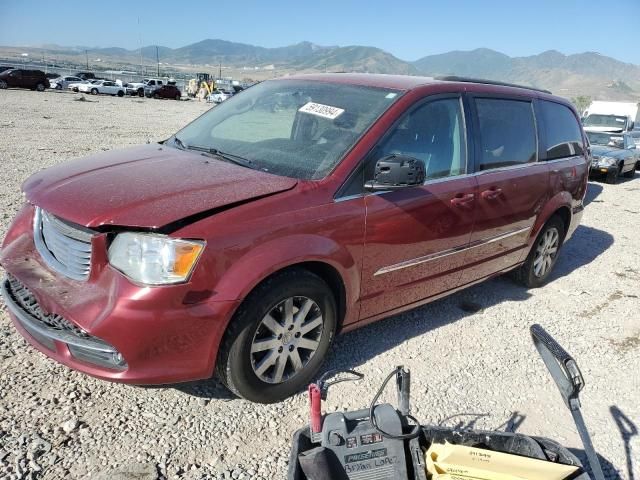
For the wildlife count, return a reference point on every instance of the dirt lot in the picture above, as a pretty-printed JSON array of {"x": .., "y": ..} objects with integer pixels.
[{"x": 472, "y": 361}]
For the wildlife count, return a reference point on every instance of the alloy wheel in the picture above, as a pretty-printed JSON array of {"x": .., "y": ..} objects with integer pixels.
[
  {"x": 546, "y": 251},
  {"x": 286, "y": 339}
]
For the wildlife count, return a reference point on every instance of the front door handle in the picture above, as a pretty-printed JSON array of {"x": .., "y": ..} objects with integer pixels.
[
  {"x": 492, "y": 194},
  {"x": 463, "y": 200}
]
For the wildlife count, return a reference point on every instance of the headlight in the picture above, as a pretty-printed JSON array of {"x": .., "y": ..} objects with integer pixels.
[
  {"x": 607, "y": 161},
  {"x": 153, "y": 259}
]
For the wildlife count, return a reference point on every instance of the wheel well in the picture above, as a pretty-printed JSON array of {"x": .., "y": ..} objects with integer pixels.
[
  {"x": 565, "y": 215},
  {"x": 332, "y": 278}
]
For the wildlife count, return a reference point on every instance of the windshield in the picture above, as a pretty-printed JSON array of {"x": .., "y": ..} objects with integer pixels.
[
  {"x": 601, "y": 138},
  {"x": 293, "y": 128},
  {"x": 613, "y": 121}
]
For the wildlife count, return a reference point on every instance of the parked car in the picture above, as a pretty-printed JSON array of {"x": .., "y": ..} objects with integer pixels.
[
  {"x": 20, "y": 78},
  {"x": 75, "y": 86},
  {"x": 86, "y": 75},
  {"x": 62, "y": 83},
  {"x": 613, "y": 154},
  {"x": 51, "y": 75},
  {"x": 5, "y": 67},
  {"x": 636, "y": 139},
  {"x": 166, "y": 91},
  {"x": 218, "y": 96},
  {"x": 105, "y": 87},
  {"x": 242, "y": 244}
]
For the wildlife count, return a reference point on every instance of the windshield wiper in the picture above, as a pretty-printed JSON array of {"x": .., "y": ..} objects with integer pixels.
[
  {"x": 229, "y": 157},
  {"x": 179, "y": 143}
]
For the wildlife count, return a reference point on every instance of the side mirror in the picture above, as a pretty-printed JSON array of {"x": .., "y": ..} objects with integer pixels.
[{"x": 397, "y": 171}]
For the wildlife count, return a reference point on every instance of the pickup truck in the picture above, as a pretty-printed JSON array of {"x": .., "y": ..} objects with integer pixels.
[{"x": 138, "y": 88}]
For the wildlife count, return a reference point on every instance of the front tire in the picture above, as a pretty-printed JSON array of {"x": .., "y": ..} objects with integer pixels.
[
  {"x": 94, "y": 91},
  {"x": 542, "y": 258},
  {"x": 612, "y": 177},
  {"x": 278, "y": 339},
  {"x": 120, "y": 93},
  {"x": 631, "y": 173},
  {"x": 3, "y": 85}
]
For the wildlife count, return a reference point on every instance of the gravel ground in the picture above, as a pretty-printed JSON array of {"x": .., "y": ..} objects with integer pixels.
[{"x": 471, "y": 358}]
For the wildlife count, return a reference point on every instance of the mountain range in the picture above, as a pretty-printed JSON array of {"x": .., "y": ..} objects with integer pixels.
[{"x": 586, "y": 73}]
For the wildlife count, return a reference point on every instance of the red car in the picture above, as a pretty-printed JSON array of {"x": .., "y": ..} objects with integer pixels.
[
  {"x": 297, "y": 209},
  {"x": 166, "y": 91}
]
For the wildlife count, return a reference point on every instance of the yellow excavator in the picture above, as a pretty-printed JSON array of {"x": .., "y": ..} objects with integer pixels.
[{"x": 202, "y": 82}]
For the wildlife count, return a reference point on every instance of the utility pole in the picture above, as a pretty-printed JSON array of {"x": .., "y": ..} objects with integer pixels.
[
  {"x": 140, "y": 38},
  {"x": 158, "y": 60},
  {"x": 220, "y": 70},
  {"x": 86, "y": 53}
]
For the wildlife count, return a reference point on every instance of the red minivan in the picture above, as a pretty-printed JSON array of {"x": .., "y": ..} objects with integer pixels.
[{"x": 299, "y": 208}]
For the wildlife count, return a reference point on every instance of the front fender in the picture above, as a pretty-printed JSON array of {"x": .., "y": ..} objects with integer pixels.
[{"x": 258, "y": 263}]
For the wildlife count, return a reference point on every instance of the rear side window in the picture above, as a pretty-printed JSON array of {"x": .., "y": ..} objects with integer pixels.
[
  {"x": 507, "y": 132},
  {"x": 562, "y": 131}
]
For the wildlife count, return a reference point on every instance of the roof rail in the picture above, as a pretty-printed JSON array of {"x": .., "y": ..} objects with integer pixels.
[{"x": 453, "y": 78}]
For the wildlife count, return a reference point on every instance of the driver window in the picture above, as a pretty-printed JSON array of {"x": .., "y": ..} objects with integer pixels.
[{"x": 433, "y": 133}]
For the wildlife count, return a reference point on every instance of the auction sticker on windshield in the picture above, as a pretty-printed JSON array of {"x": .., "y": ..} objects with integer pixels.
[{"x": 324, "y": 111}]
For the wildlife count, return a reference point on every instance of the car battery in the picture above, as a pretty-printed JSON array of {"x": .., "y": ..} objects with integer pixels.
[{"x": 362, "y": 451}]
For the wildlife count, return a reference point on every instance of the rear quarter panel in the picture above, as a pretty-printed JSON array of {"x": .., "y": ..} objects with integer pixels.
[{"x": 568, "y": 178}]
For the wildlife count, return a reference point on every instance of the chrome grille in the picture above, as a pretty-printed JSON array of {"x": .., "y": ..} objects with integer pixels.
[
  {"x": 65, "y": 248},
  {"x": 23, "y": 297}
]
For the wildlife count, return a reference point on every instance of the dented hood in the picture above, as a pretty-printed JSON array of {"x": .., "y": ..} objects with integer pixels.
[{"x": 149, "y": 186}]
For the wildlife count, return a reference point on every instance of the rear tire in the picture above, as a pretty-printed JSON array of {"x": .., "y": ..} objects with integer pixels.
[
  {"x": 94, "y": 91},
  {"x": 3, "y": 85},
  {"x": 40, "y": 87},
  {"x": 178, "y": 97},
  {"x": 156, "y": 96},
  {"x": 542, "y": 258},
  {"x": 120, "y": 93},
  {"x": 141, "y": 92},
  {"x": 262, "y": 357}
]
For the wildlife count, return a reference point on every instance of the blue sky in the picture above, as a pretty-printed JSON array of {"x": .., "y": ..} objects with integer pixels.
[{"x": 407, "y": 29}]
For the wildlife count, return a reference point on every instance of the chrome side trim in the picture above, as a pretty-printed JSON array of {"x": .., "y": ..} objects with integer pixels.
[
  {"x": 448, "y": 252},
  {"x": 31, "y": 324}
]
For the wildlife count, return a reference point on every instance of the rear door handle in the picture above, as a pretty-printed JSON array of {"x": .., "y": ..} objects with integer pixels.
[
  {"x": 491, "y": 194},
  {"x": 462, "y": 200}
]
